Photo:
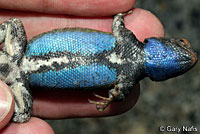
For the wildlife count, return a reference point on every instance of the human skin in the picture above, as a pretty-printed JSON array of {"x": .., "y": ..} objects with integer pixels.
[{"x": 68, "y": 104}]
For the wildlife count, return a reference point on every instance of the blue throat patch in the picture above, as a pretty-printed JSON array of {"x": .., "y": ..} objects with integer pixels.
[{"x": 161, "y": 61}]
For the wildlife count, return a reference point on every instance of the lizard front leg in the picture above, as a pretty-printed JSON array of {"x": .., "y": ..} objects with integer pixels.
[
  {"x": 118, "y": 27},
  {"x": 117, "y": 93}
]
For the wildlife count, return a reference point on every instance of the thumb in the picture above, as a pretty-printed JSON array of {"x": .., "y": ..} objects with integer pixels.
[{"x": 6, "y": 104}]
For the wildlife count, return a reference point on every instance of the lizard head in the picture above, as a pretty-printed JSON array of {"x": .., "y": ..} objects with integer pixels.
[{"x": 167, "y": 58}]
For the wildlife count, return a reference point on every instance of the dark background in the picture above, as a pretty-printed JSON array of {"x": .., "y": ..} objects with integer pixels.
[{"x": 175, "y": 102}]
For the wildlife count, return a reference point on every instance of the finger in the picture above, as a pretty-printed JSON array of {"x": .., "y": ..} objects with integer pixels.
[
  {"x": 72, "y": 7},
  {"x": 143, "y": 23},
  {"x": 72, "y": 104},
  {"x": 133, "y": 22},
  {"x": 6, "y": 104},
  {"x": 34, "y": 126}
]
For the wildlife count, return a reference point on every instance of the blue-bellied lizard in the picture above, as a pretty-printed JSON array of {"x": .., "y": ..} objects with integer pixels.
[{"x": 85, "y": 59}]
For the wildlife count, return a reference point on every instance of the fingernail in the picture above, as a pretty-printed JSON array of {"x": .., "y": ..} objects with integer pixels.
[{"x": 5, "y": 100}]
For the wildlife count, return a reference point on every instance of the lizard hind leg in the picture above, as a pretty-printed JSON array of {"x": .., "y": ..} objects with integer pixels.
[
  {"x": 12, "y": 34},
  {"x": 23, "y": 102}
]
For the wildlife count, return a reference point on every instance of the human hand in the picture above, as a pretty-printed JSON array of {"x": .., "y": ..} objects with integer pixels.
[{"x": 65, "y": 104}]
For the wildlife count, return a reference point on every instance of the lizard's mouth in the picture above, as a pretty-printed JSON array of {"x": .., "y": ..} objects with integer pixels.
[
  {"x": 194, "y": 58},
  {"x": 184, "y": 43}
]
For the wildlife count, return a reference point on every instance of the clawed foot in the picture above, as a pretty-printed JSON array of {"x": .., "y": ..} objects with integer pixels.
[
  {"x": 125, "y": 13},
  {"x": 101, "y": 105},
  {"x": 21, "y": 117}
]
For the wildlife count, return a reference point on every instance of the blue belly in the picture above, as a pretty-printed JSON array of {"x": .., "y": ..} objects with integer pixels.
[
  {"x": 83, "y": 41},
  {"x": 81, "y": 77}
]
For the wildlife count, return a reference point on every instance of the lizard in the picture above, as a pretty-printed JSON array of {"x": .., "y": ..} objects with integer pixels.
[{"x": 81, "y": 58}]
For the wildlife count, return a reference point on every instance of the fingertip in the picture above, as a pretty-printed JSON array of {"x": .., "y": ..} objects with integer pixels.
[
  {"x": 97, "y": 8},
  {"x": 33, "y": 126},
  {"x": 71, "y": 7},
  {"x": 6, "y": 104},
  {"x": 144, "y": 24}
]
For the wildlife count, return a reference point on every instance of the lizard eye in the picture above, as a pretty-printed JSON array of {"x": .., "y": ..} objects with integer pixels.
[{"x": 185, "y": 42}]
